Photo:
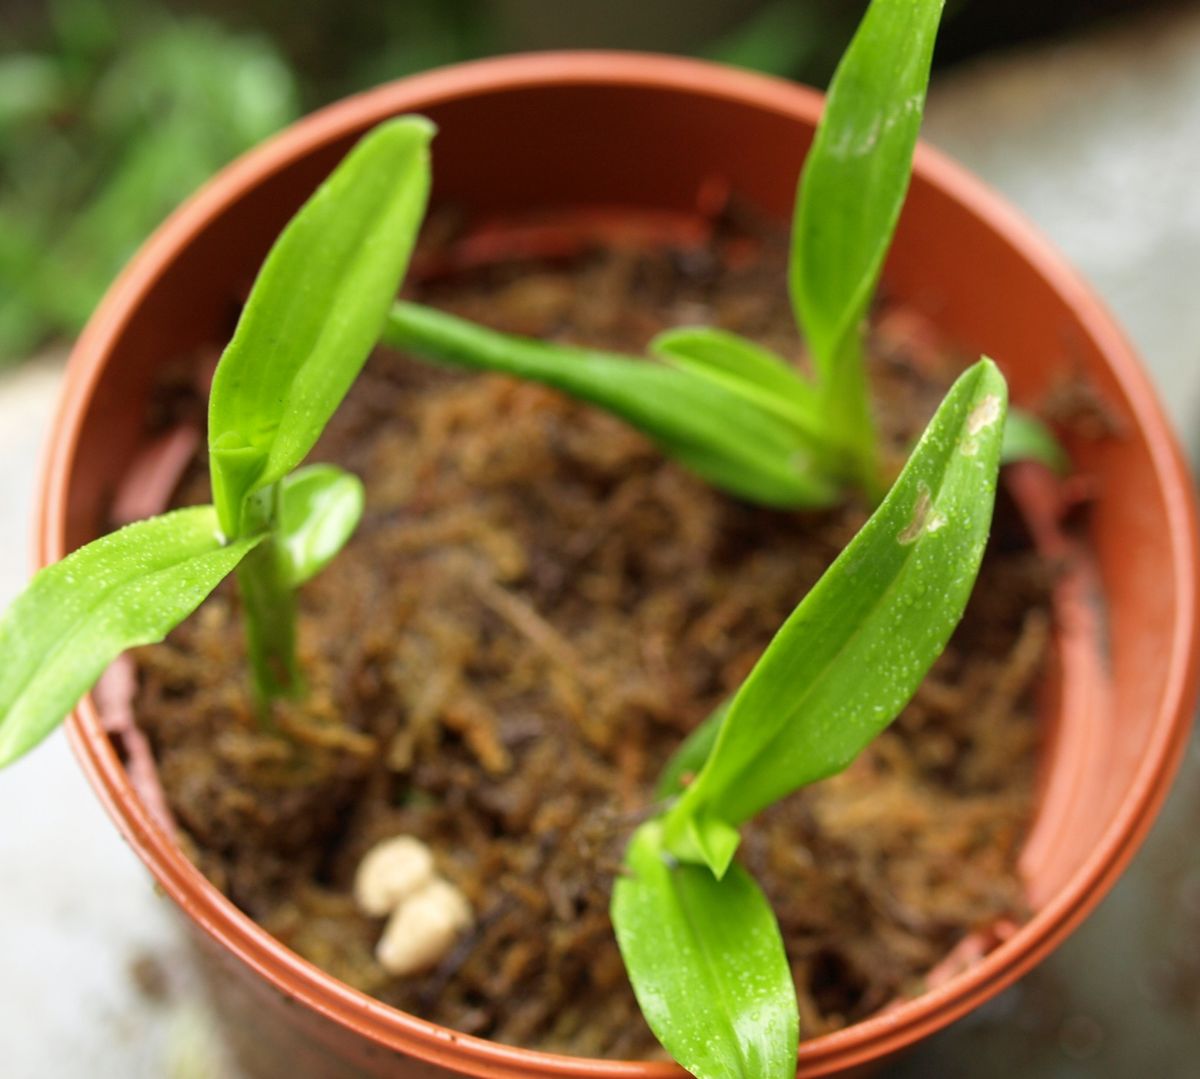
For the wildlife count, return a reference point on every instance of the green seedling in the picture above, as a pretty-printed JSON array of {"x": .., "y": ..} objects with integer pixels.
[
  {"x": 738, "y": 415},
  {"x": 701, "y": 945},
  {"x": 311, "y": 320}
]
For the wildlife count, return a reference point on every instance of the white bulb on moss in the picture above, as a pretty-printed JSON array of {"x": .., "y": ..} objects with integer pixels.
[
  {"x": 423, "y": 928},
  {"x": 392, "y": 871}
]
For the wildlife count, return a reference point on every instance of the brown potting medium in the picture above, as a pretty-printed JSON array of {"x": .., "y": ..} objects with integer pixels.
[{"x": 535, "y": 611}]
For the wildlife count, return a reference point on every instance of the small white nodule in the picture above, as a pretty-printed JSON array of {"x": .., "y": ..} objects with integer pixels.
[
  {"x": 392, "y": 871},
  {"x": 423, "y": 928}
]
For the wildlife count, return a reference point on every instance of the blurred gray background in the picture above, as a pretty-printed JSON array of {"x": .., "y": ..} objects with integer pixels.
[{"x": 1084, "y": 113}]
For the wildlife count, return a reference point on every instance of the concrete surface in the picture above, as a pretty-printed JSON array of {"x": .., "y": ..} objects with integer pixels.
[
  {"x": 91, "y": 979},
  {"x": 1099, "y": 143}
]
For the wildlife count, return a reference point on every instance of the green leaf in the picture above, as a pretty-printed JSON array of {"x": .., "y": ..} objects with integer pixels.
[
  {"x": 719, "y": 434},
  {"x": 706, "y": 961},
  {"x": 1026, "y": 438},
  {"x": 850, "y": 195},
  {"x": 126, "y": 589},
  {"x": 747, "y": 369},
  {"x": 319, "y": 508},
  {"x": 687, "y": 761},
  {"x": 315, "y": 312},
  {"x": 854, "y": 651}
]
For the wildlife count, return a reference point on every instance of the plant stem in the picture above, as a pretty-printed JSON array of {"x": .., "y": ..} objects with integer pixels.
[
  {"x": 269, "y": 608},
  {"x": 847, "y": 407}
]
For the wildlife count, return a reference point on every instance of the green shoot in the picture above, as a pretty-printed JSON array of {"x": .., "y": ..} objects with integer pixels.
[
  {"x": 310, "y": 515},
  {"x": 311, "y": 320},
  {"x": 1026, "y": 438},
  {"x": 884, "y": 612},
  {"x": 841, "y": 668},
  {"x": 848, "y": 201},
  {"x": 313, "y": 316},
  {"x": 689, "y": 758}
]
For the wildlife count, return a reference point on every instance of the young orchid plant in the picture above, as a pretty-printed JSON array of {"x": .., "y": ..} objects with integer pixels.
[
  {"x": 737, "y": 414},
  {"x": 700, "y": 942},
  {"x": 311, "y": 320},
  {"x": 702, "y": 947}
]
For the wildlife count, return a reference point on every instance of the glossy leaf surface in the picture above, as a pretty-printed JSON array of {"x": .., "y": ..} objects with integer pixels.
[
  {"x": 851, "y": 191},
  {"x": 719, "y": 434},
  {"x": 319, "y": 508},
  {"x": 706, "y": 961},
  {"x": 1026, "y": 438},
  {"x": 126, "y": 589},
  {"x": 687, "y": 761},
  {"x": 315, "y": 313},
  {"x": 856, "y": 648},
  {"x": 746, "y": 369}
]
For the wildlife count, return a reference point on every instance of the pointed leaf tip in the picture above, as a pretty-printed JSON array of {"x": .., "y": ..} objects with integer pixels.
[{"x": 315, "y": 312}]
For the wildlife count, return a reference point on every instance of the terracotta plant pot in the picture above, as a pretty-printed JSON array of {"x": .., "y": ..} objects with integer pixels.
[{"x": 649, "y": 137}]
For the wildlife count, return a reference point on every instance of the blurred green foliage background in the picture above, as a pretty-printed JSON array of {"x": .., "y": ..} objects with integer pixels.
[{"x": 113, "y": 111}]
